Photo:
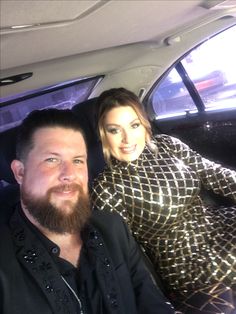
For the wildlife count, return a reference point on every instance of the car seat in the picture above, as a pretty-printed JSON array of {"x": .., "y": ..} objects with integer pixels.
[
  {"x": 9, "y": 190},
  {"x": 87, "y": 114}
]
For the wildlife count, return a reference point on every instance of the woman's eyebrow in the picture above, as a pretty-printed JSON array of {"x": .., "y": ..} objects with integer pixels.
[
  {"x": 112, "y": 125},
  {"x": 116, "y": 124}
]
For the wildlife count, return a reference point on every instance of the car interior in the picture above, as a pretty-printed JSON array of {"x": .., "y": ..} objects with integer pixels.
[{"x": 70, "y": 51}]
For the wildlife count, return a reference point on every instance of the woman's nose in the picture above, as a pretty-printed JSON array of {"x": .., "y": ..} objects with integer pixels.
[
  {"x": 125, "y": 137},
  {"x": 67, "y": 172}
]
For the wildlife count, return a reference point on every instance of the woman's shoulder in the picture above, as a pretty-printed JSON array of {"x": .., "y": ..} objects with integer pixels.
[
  {"x": 103, "y": 176},
  {"x": 164, "y": 139},
  {"x": 167, "y": 143}
]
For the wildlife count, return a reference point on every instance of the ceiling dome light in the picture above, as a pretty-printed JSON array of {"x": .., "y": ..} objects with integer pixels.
[{"x": 15, "y": 78}]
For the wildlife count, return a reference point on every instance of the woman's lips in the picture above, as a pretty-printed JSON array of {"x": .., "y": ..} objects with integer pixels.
[{"x": 128, "y": 149}]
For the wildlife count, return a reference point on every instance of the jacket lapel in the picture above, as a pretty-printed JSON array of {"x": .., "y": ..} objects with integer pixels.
[
  {"x": 105, "y": 273},
  {"x": 39, "y": 264}
]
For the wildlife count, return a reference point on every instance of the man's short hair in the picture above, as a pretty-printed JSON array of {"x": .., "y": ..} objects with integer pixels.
[{"x": 44, "y": 118}]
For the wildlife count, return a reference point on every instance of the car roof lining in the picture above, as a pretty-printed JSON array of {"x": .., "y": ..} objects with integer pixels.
[{"x": 67, "y": 26}]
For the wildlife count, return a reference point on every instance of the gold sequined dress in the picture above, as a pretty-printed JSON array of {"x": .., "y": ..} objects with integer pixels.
[{"x": 192, "y": 246}]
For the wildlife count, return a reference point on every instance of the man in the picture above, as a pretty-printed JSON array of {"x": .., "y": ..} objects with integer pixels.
[{"x": 57, "y": 256}]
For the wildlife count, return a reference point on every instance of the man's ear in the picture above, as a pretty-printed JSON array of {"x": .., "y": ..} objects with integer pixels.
[{"x": 17, "y": 168}]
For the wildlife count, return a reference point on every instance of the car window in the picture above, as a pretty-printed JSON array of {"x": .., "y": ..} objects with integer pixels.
[
  {"x": 171, "y": 97},
  {"x": 203, "y": 80},
  {"x": 63, "y": 96}
]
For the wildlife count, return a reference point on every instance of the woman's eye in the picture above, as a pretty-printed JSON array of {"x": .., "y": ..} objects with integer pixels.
[
  {"x": 113, "y": 131},
  {"x": 135, "y": 125}
]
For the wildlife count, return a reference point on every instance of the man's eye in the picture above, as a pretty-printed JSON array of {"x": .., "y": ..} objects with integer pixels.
[
  {"x": 78, "y": 161},
  {"x": 51, "y": 160}
]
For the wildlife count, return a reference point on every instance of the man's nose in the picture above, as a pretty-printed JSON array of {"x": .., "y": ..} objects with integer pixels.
[{"x": 67, "y": 172}]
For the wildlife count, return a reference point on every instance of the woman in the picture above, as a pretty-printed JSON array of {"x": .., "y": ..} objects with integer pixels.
[{"x": 154, "y": 184}]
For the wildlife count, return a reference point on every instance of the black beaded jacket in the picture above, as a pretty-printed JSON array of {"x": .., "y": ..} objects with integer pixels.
[{"x": 31, "y": 283}]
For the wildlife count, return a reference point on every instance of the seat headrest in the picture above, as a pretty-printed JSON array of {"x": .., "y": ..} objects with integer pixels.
[
  {"x": 87, "y": 114},
  {"x": 7, "y": 154}
]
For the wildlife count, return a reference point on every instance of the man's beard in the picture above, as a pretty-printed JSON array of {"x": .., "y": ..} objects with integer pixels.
[{"x": 54, "y": 218}]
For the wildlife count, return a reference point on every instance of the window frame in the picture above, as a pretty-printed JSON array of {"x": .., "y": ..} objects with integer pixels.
[{"x": 188, "y": 83}]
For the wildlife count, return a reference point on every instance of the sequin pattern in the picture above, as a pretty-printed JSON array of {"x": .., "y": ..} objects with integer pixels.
[{"x": 192, "y": 246}]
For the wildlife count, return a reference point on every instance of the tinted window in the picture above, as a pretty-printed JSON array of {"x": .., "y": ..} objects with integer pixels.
[
  {"x": 204, "y": 79},
  {"x": 13, "y": 110}
]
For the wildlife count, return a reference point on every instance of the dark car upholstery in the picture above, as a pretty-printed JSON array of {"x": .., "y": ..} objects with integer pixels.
[
  {"x": 7, "y": 154},
  {"x": 9, "y": 189},
  {"x": 87, "y": 114}
]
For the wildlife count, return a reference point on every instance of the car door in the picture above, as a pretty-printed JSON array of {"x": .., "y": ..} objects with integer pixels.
[{"x": 196, "y": 100}]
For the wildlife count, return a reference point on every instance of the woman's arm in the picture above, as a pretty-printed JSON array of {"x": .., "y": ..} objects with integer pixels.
[{"x": 212, "y": 175}]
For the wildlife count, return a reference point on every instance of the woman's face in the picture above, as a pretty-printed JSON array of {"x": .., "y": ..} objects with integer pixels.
[{"x": 125, "y": 135}]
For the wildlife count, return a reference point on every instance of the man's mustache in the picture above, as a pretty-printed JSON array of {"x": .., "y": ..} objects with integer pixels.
[{"x": 72, "y": 187}]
